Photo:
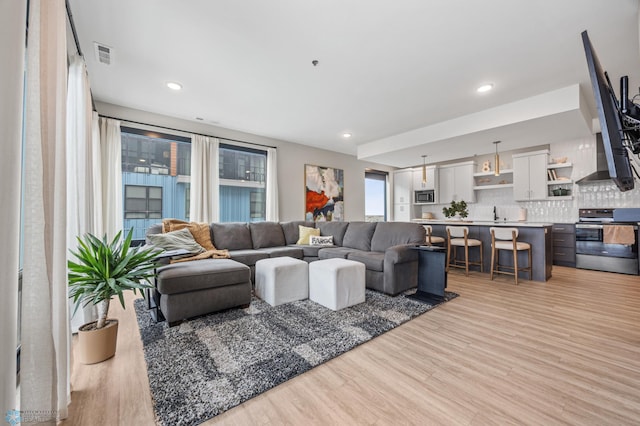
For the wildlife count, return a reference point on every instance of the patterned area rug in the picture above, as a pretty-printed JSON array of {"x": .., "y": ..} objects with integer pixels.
[{"x": 208, "y": 365}]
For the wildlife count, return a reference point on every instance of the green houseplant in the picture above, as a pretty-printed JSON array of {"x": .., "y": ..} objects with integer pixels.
[
  {"x": 458, "y": 208},
  {"x": 104, "y": 269}
]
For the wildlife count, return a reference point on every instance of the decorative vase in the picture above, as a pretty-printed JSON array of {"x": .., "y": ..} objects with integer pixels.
[{"x": 97, "y": 345}]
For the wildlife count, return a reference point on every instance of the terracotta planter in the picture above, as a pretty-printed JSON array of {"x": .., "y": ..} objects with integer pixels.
[{"x": 97, "y": 345}]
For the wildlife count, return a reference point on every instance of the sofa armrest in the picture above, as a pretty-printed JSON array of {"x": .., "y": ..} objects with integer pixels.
[{"x": 400, "y": 254}]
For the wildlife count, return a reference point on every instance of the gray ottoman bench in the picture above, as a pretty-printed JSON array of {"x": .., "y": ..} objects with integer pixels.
[{"x": 199, "y": 287}]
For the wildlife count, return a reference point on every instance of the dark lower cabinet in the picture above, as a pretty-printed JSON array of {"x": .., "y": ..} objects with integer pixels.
[{"x": 564, "y": 244}]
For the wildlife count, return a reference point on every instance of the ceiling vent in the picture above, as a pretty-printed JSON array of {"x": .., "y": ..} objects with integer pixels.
[{"x": 104, "y": 53}]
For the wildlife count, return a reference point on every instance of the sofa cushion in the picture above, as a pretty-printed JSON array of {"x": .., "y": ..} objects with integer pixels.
[
  {"x": 266, "y": 234},
  {"x": 309, "y": 250},
  {"x": 289, "y": 251},
  {"x": 248, "y": 257},
  {"x": 291, "y": 231},
  {"x": 232, "y": 236},
  {"x": 389, "y": 234},
  {"x": 359, "y": 235},
  {"x": 373, "y": 260},
  {"x": 333, "y": 252},
  {"x": 176, "y": 240},
  {"x": 201, "y": 274},
  {"x": 335, "y": 229}
]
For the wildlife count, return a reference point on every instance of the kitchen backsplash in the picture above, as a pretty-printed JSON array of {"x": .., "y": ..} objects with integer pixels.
[{"x": 581, "y": 153}]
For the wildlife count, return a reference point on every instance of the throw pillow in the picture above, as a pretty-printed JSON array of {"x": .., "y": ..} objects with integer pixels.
[
  {"x": 305, "y": 232},
  {"x": 176, "y": 240},
  {"x": 200, "y": 231},
  {"x": 321, "y": 241}
]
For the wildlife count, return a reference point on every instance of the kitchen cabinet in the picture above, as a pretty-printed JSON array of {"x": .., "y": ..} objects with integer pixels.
[
  {"x": 530, "y": 176},
  {"x": 455, "y": 182},
  {"x": 564, "y": 244},
  {"x": 431, "y": 182},
  {"x": 402, "y": 195}
]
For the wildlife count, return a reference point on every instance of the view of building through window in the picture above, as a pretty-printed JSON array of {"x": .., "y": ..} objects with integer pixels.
[
  {"x": 375, "y": 198},
  {"x": 156, "y": 171}
]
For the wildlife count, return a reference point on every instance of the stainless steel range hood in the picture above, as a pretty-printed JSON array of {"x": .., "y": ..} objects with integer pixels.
[{"x": 602, "y": 169}]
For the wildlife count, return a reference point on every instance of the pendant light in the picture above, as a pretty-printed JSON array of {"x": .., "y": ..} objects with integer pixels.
[
  {"x": 497, "y": 160},
  {"x": 424, "y": 169}
]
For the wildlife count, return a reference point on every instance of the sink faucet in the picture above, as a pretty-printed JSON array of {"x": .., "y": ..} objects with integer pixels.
[{"x": 495, "y": 213}]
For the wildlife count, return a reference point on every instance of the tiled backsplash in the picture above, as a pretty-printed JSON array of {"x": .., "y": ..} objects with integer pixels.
[{"x": 581, "y": 153}]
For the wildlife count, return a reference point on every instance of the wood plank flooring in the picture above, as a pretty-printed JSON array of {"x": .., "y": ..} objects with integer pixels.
[{"x": 562, "y": 352}]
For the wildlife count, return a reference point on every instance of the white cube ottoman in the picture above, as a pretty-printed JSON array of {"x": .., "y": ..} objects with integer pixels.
[
  {"x": 281, "y": 280},
  {"x": 336, "y": 283}
]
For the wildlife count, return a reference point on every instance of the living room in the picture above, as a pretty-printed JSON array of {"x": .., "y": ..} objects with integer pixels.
[{"x": 537, "y": 352}]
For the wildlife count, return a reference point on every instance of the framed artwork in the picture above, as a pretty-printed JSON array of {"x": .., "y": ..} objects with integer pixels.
[{"x": 324, "y": 193}]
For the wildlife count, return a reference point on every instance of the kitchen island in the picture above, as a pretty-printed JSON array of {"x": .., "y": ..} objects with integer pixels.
[{"x": 538, "y": 234}]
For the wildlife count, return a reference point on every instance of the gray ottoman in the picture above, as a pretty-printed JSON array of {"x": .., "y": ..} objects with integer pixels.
[
  {"x": 337, "y": 283},
  {"x": 199, "y": 287},
  {"x": 281, "y": 280}
]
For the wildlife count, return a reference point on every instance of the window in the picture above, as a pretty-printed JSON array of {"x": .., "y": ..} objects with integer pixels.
[
  {"x": 156, "y": 170},
  {"x": 242, "y": 184},
  {"x": 142, "y": 202},
  {"x": 375, "y": 198}
]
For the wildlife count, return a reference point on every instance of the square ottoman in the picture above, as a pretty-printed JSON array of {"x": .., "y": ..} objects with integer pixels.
[
  {"x": 337, "y": 283},
  {"x": 281, "y": 280}
]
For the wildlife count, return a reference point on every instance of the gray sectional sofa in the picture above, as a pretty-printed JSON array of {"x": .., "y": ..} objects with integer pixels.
[{"x": 195, "y": 288}]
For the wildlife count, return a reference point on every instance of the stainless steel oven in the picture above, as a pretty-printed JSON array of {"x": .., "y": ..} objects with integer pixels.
[{"x": 597, "y": 249}]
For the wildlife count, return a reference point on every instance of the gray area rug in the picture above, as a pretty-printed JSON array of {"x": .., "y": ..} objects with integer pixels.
[{"x": 208, "y": 365}]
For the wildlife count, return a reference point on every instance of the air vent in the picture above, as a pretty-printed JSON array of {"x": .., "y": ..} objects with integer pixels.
[{"x": 104, "y": 54}]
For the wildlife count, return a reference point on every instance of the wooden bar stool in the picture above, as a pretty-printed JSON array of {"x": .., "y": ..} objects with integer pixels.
[
  {"x": 432, "y": 239},
  {"x": 457, "y": 236},
  {"x": 507, "y": 239}
]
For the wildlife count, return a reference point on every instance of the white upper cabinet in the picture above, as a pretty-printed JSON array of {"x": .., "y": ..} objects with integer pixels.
[
  {"x": 402, "y": 180},
  {"x": 530, "y": 176},
  {"x": 456, "y": 183},
  {"x": 431, "y": 182}
]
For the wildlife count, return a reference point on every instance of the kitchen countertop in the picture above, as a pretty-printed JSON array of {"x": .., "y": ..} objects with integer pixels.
[{"x": 482, "y": 223}]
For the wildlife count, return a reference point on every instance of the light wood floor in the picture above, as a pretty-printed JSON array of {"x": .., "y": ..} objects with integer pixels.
[{"x": 562, "y": 352}]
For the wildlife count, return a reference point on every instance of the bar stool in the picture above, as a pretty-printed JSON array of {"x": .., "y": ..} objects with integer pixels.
[
  {"x": 457, "y": 236},
  {"x": 432, "y": 239},
  {"x": 507, "y": 239}
]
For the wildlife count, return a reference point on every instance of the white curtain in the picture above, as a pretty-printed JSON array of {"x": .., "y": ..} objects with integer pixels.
[
  {"x": 82, "y": 204},
  {"x": 205, "y": 194},
  {"x": 272, "y": 186},
  {"x": 44, "y": 376},
  {"x": 110, "y": 144},
  {"x": 13, "y": 18}
]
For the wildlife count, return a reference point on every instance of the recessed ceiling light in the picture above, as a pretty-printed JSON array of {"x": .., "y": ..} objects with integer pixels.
[
  {"x": 484, "y": 88},
  {"x": 174, "y": 86},
  {"x": 346, "y": 135}
]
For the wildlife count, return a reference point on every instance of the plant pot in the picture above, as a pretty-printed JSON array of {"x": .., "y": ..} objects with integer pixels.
[{"x": 97, "y": 345}]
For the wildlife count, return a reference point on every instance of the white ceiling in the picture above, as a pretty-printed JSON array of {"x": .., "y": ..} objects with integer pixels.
[{"x": 394, "y": 74}]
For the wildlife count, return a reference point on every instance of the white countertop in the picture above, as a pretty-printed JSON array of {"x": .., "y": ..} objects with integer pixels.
[{"x": 482, "y": 223}]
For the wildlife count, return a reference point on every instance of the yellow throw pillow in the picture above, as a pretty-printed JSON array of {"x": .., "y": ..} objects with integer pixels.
[{"x": 305, "y": 232}]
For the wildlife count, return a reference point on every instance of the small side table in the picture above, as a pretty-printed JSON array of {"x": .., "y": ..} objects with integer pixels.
[
  {"x": 432, "y": 274},
  {"x": 151, "y": 294}
]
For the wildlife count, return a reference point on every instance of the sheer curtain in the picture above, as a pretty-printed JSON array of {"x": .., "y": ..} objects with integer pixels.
[
  {"x": 111, "y": 149},
  {"x": 44, "y": 376},
  {"x": 205, "y": 193},
  {"x": 13, "y": 16},
  {"x": 272, "y": 186},
  {"x": 81, "y": 174}
]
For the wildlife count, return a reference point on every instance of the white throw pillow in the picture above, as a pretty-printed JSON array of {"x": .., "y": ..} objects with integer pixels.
[
  {"x": 175, "y": 240},
  {"x": 321, "y": 241}
]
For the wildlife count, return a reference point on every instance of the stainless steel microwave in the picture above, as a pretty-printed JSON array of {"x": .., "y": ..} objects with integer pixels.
[{"x": 424, "y": 196}]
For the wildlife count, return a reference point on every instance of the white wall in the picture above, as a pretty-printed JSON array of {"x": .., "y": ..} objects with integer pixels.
[{"x": 291, "y": 160}]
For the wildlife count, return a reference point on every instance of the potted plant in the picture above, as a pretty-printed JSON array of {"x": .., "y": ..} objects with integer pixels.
[
  {"x": 103, "y": 270},
  {"x": 457, "y": 209}
]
